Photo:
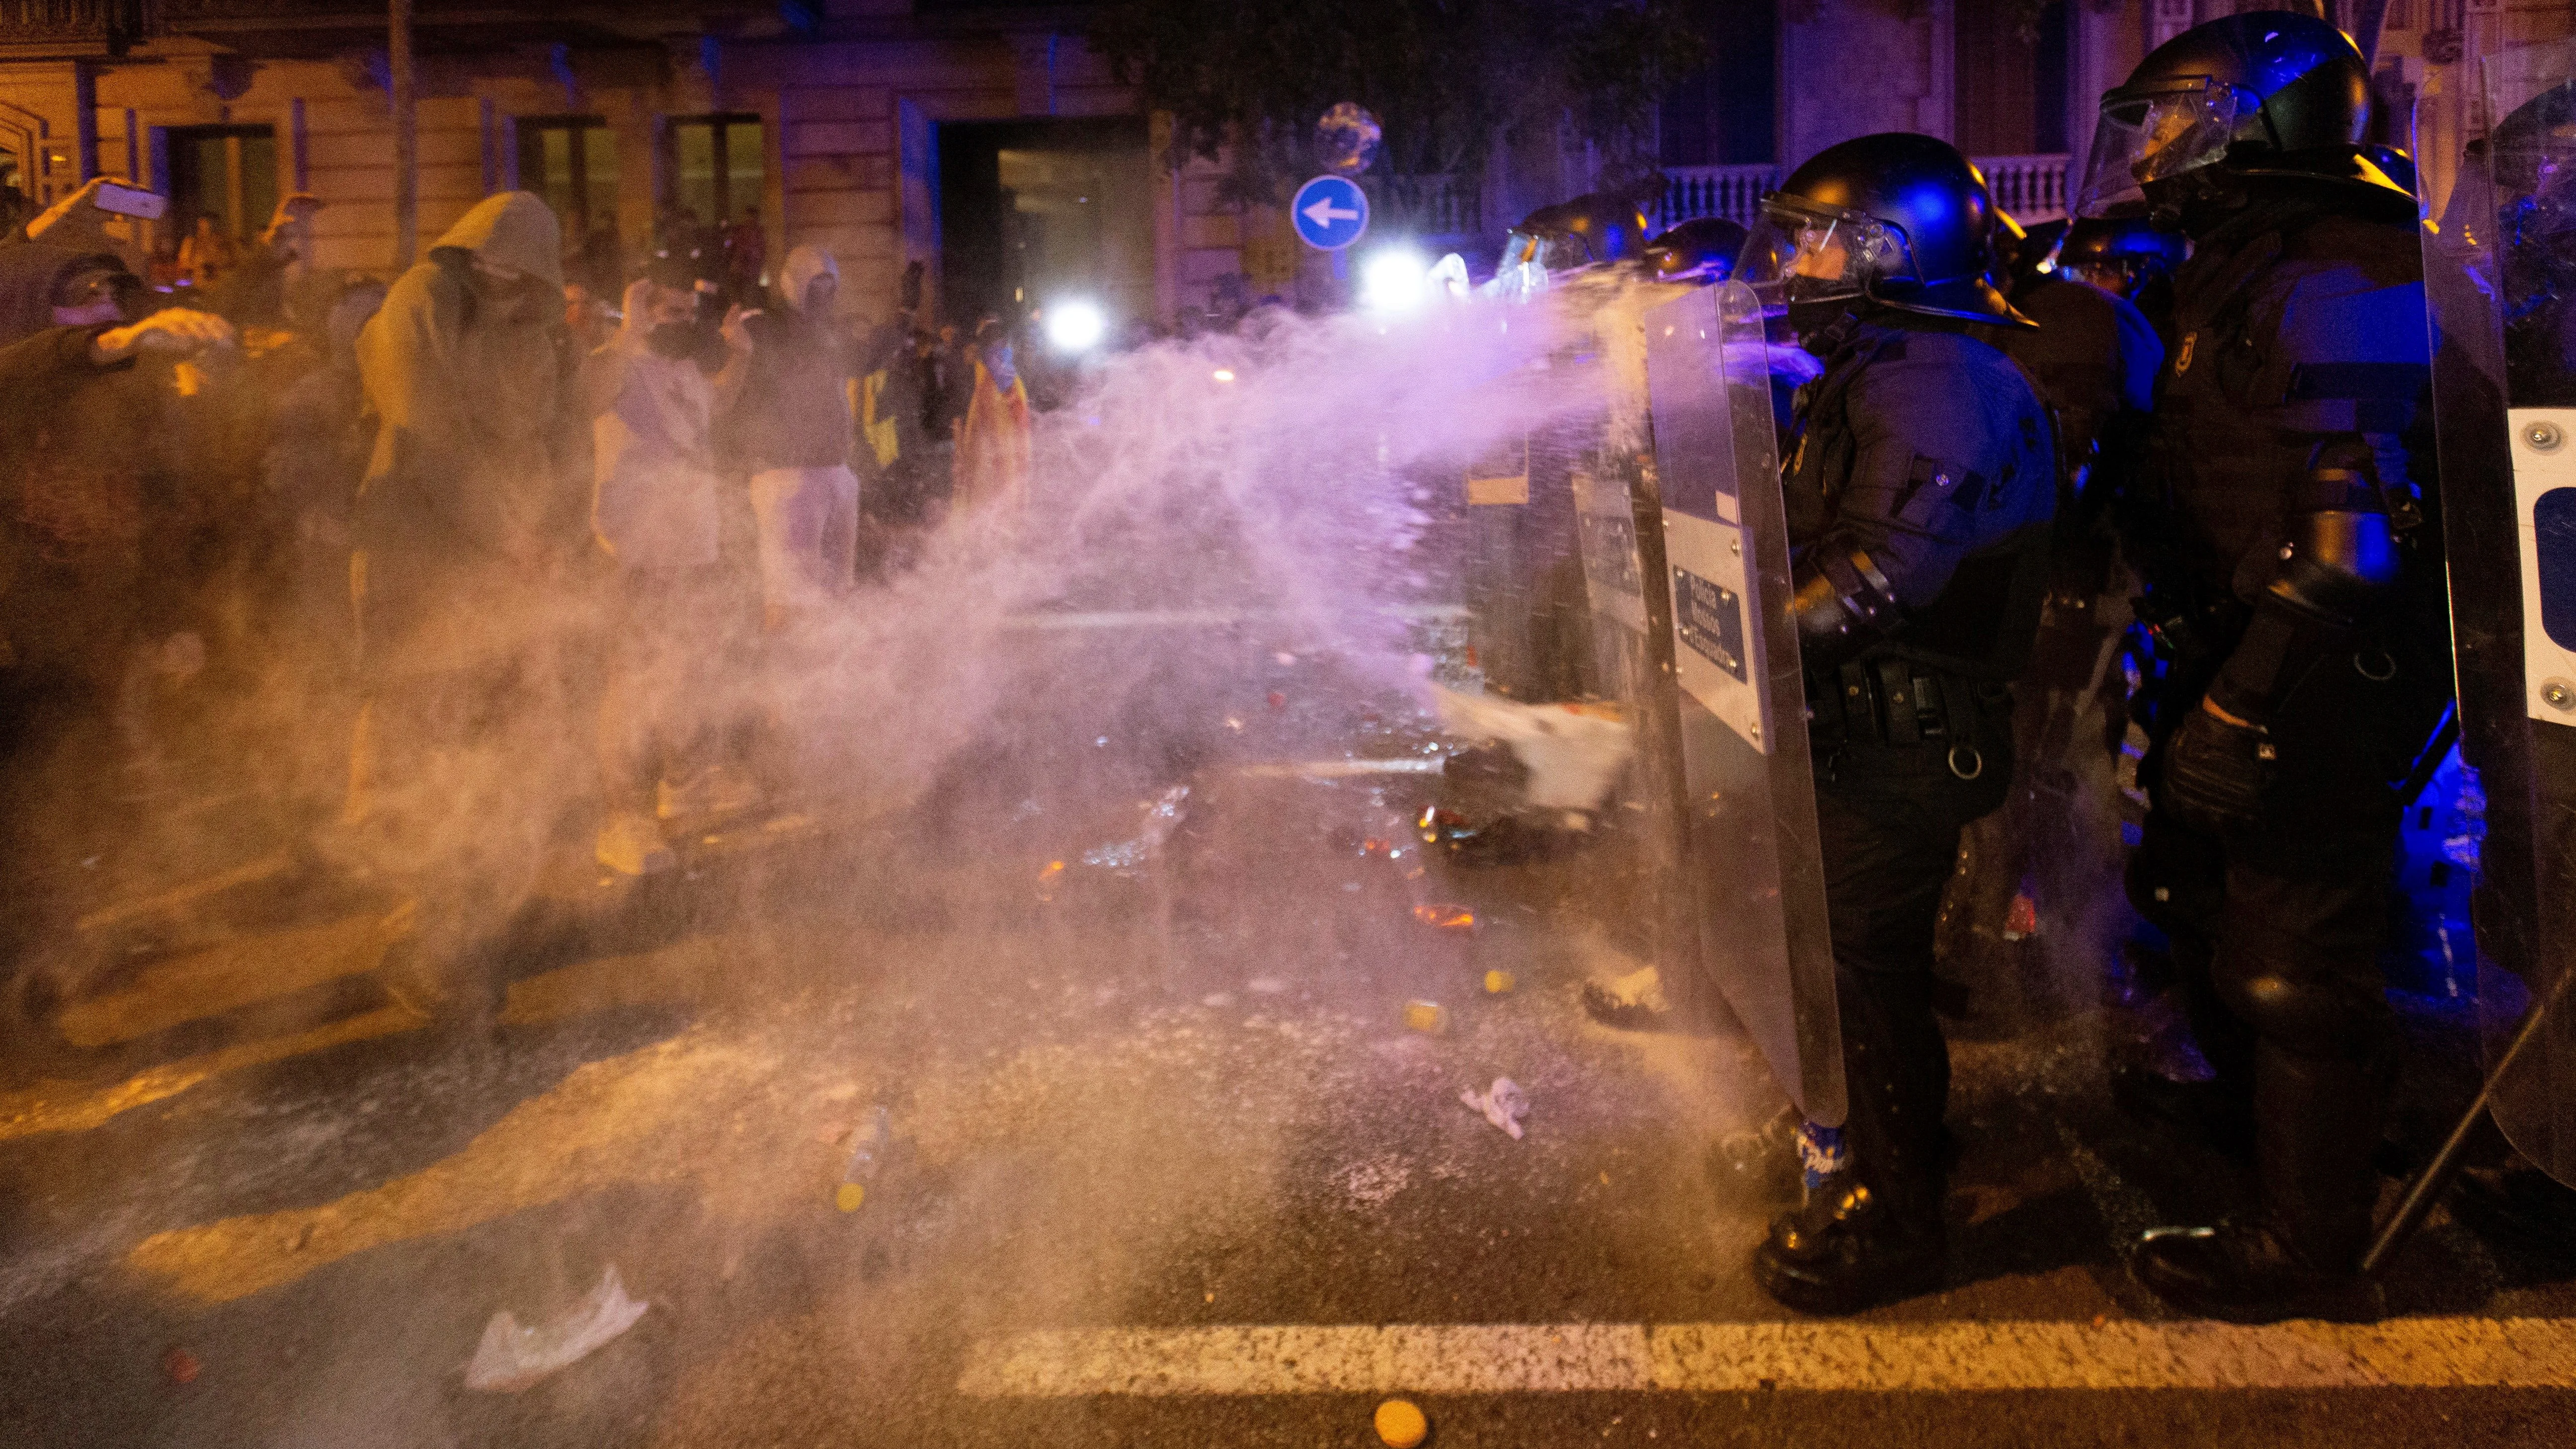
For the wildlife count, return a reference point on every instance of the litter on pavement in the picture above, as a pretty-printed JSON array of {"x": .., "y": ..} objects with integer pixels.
[
  {"x": 1573, "y": 755},
  {"x": 510, "y": 1357},
  {"x": 1504, "y": 1104},
  {"x": 1401, "y": 1424}
]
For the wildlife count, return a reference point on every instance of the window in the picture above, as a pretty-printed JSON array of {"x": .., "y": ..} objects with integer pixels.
[
  {"x": 1724, "y": 115},
  {"x": 718, "y": 167},
  {"x": 2011, "y": 77},
  {"x": 571, "y": 161},
  {"x": 226, "y": 172}
]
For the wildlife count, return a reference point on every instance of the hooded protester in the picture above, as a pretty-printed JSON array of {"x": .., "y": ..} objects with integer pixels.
[
  {"x": 993, "y": 446},
  {"x": 460, "y": 368},
  {"x": 460, "y": 534},
  {"x": 793, "y": 427},
  {"x": 655, "y": 512}
]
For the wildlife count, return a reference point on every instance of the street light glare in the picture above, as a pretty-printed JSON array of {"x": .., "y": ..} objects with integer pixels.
[
  {"x": 1394, "y": 280},
  {"x": 1075, "y": 326}
]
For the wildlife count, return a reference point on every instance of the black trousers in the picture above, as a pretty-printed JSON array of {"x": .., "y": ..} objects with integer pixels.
[
  {"x": 2277, "y": 955},
  {"x": 2276, "y": 930},
  {"x": 1889, "y": 819}
]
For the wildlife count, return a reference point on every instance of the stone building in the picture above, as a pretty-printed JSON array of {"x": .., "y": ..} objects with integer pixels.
[{"x": 981, "y": 139}]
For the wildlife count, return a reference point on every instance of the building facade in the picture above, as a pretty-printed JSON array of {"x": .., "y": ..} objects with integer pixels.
[{"x": 980, "y": 145}]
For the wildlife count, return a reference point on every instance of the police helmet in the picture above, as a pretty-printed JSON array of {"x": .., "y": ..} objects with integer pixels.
[
  {"x": 2007, "y": 242},
  {"x": 2267, "y": 93},
  {"x": 2534, "y": 148},
  {"x": 1901, "y": 219},
  {"x": 2533, "y": 151},
  {"x": 1600, "y": 227},
  {"x": 1700, "y": 251},
  {"x": 2119, "y": 254}
]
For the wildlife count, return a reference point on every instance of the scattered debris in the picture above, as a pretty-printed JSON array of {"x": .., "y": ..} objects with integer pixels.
[
  {"x": 1162, "y": 817},
  {"x": 510, "y": 1358},
  {"x": 1634, "y": 1002},
  {"x": 179, "y": 1366},
  {"x": 1763, "y": 1150},
  {"x": 1446, "y": 917},
  {"x": 1573, "y": 752},
  {"x": 1504, "y": 1104},
  {"x": 1499, "y": 983},
  {"x": 1401, "y": 1424},
  {"x": 1266, "y": 986},
  {"x": 1426, "y": 1017},
  {"x": 1217, "y": 999}
]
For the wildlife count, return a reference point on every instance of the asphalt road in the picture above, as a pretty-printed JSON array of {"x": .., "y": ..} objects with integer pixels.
[{"x": 1167, "y": 1166}]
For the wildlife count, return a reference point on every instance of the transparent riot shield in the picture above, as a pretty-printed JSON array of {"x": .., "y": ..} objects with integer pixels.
[
  {"x": 2500, "y": 276},
  {"x": 1619, "y": 519},
  {"x": 1714, "y": 586}
]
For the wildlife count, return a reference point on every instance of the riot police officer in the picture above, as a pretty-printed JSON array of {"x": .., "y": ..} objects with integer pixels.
[
  {"x": 1920, "y": 484},
  {"x": 2127, "y": 256},
  {"x": 1700, "y": 251},
  {"x": 2295, "y": 595},
  {"x": 2094, "y": 358}
]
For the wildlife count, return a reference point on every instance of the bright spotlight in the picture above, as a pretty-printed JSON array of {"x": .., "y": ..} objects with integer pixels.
[
  {"x": 1223, "y": 374},
  {"x": 1394, "y": 280},
  {"x": 1075, "y": 326}
]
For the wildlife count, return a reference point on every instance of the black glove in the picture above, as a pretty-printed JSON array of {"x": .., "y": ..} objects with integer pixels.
[{"x": 2215, "y": 773}]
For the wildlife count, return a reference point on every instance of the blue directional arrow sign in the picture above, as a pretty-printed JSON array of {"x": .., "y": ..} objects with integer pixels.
[{"x": 1330, "y": 212}]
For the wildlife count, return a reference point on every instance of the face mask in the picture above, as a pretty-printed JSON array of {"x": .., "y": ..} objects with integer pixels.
[{"x": 673, "y": 339}]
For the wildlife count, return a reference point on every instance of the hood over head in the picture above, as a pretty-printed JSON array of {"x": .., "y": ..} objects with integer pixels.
[
  {"x": 513, "y": 229},
  {"x": 804, "y": 264},
  {"x": 29, "y": 272}
]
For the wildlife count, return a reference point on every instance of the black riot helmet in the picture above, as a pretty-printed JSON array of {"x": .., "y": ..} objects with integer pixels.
[
  {"x": 1700, "y": 251},
  {"x": 2007, "y": 242},
  {"x": 2268, "y": 93},
  {"x": 1600, "y": 227},
  {"x": 2119, "y": 253},
  {"x": 2533, "y": 153},
  {"x": 1901, "y": 219}
]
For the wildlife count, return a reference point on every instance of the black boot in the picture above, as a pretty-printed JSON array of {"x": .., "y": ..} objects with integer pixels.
[
  {"x": 1846, "y": 1250},
  {"x": 2318, "y": 1121},
  {"x": 2246, "y": 1271}
]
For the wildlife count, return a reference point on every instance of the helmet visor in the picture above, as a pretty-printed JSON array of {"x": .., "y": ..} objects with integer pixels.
[
  {"x": 2150, "y": 135},
  {"x": 1798, "y": 252}
]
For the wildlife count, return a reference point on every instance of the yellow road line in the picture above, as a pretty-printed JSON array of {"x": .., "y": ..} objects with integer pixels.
[
  {"x": 1724, "y": 1357},
  {"x": 58, "y": 1107}
]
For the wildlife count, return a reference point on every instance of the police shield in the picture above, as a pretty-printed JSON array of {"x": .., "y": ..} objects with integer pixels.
[
  {"x": 1686, "y": 561},
  {"x": 2500, "y": 274}
]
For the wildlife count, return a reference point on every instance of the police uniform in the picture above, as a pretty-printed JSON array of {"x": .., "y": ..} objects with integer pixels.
[
  {"x": 2286, "y": 537},
  {"x": 1920, "y": 493}
]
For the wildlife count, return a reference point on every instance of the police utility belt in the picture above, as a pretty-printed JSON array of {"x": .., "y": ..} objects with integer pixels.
[{"x": 1903, "y": 703}]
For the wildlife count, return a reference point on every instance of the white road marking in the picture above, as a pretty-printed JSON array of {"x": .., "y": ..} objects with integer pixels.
[
  {"x": 1053, "y": 622},
  {"x": 1724, "y": 1357}
]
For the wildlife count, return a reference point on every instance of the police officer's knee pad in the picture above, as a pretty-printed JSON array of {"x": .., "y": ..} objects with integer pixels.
[{"x": 2307, "y": 1014}]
